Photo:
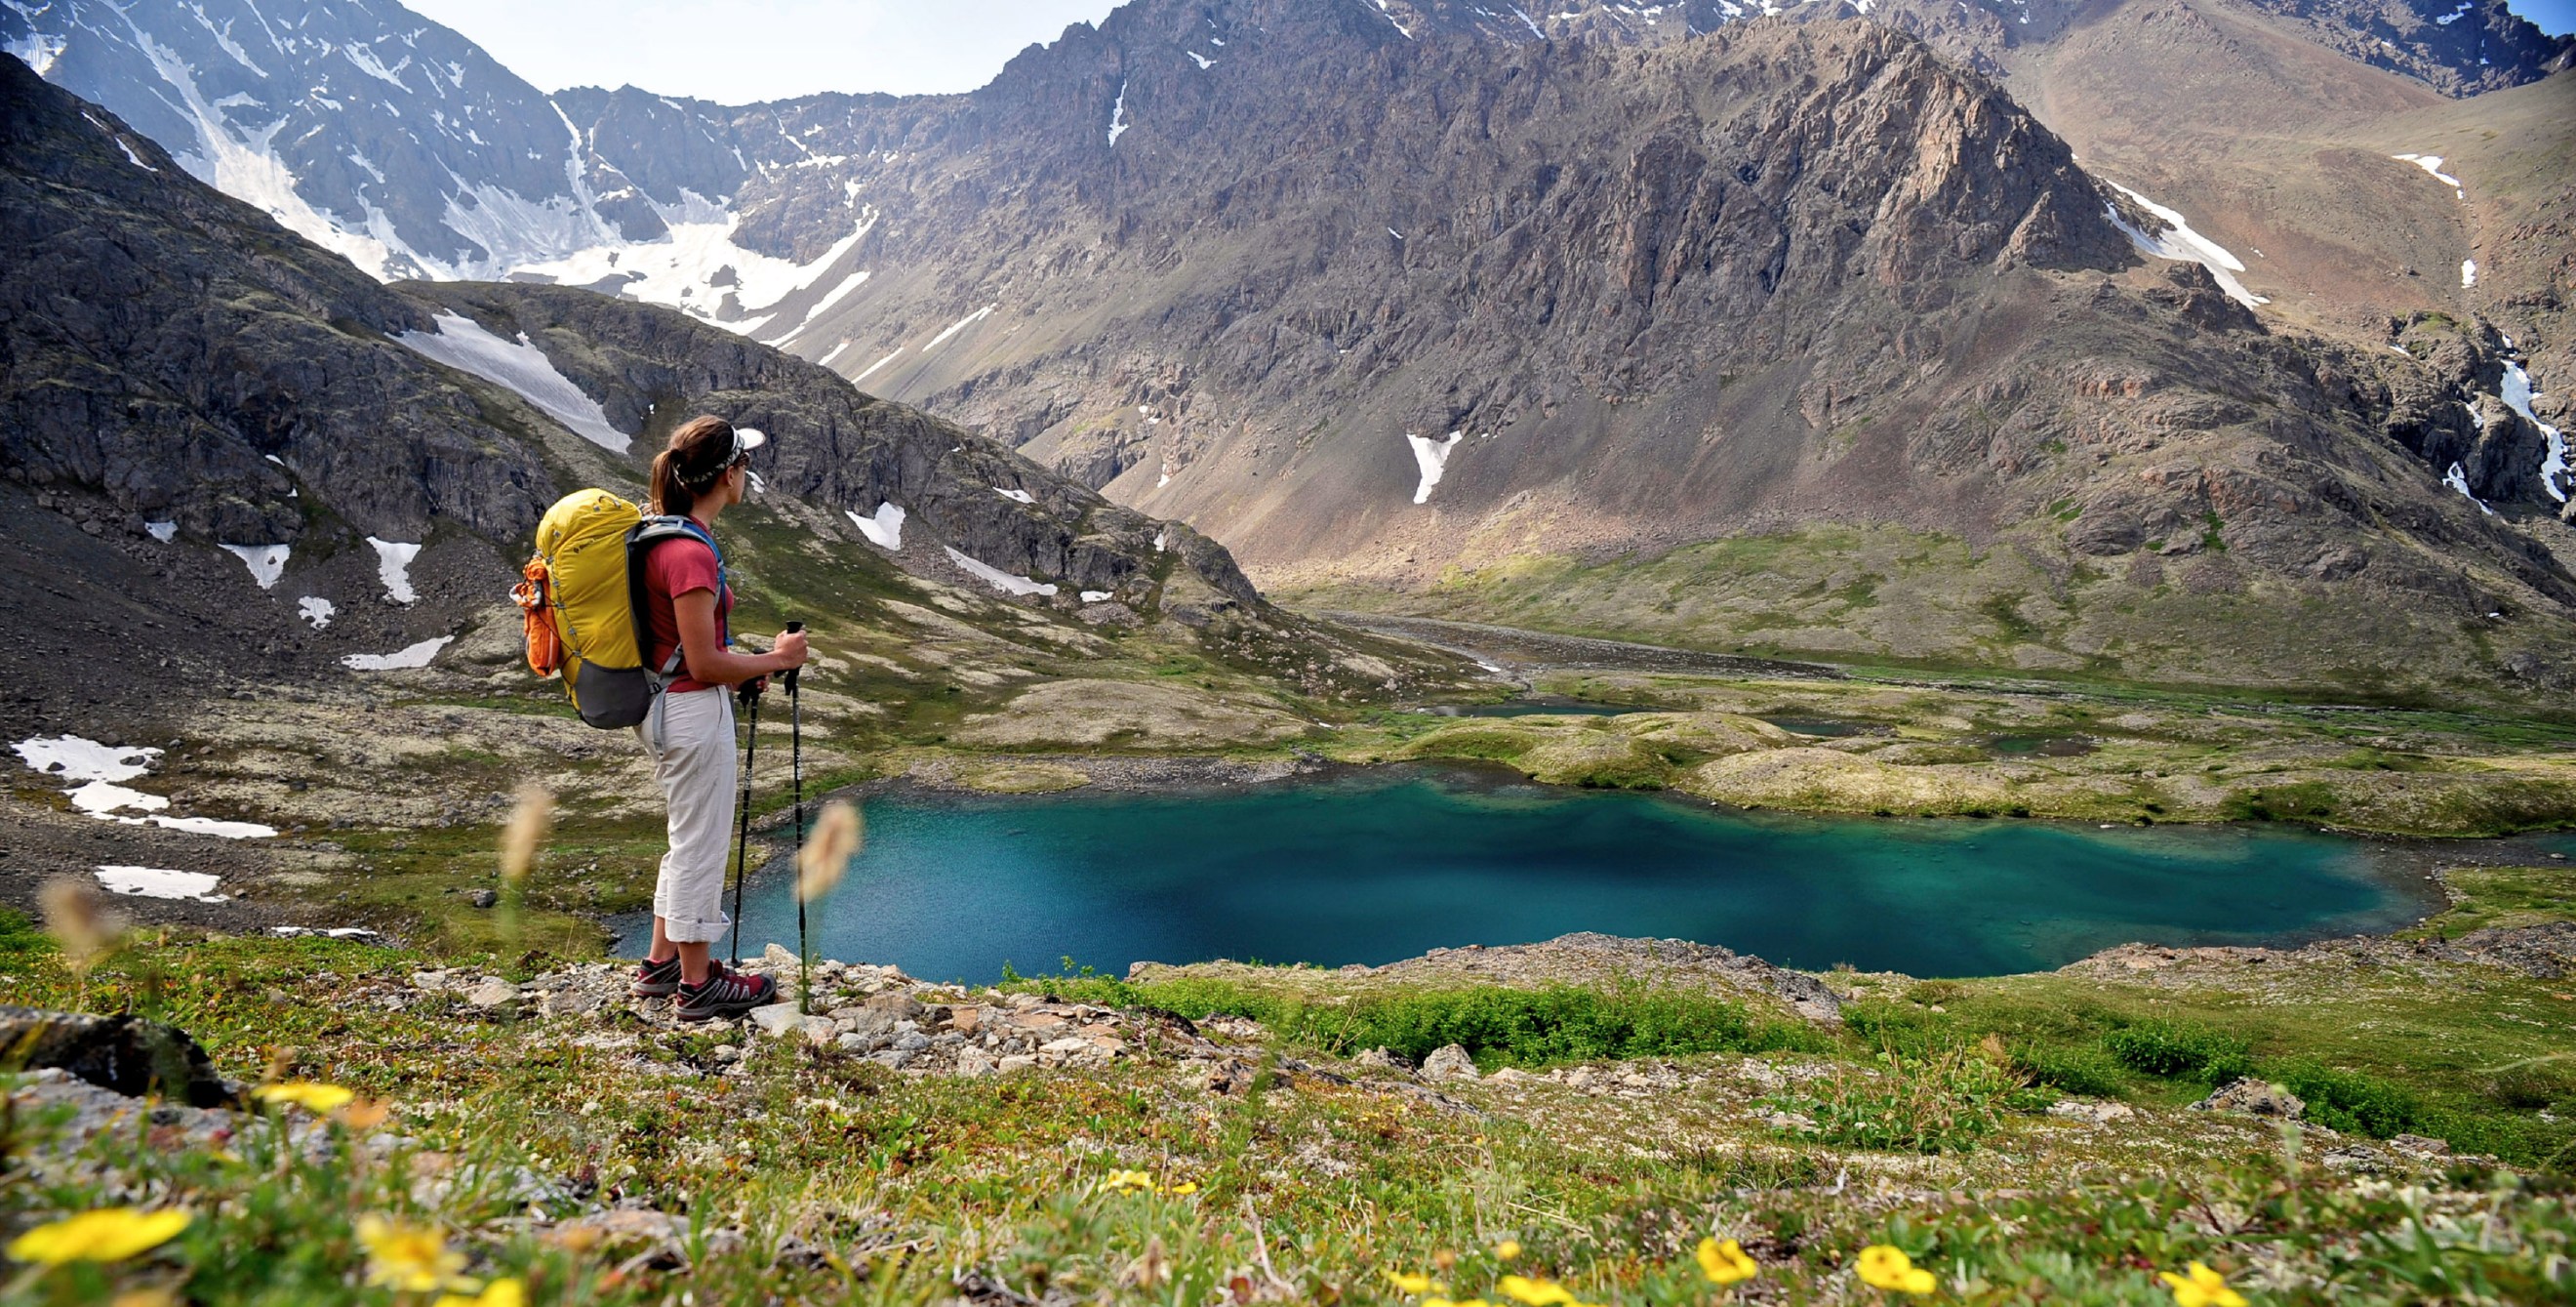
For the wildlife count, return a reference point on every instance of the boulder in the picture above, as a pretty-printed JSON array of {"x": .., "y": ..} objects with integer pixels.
[
  {"x": 1384, "y": 1058},
  {"x": 128, "y": 1054},
  {"x": 1449, "y": 1063},
  {"x": 494, "y": 992},
  {"x": 2254, "y": 1097}
]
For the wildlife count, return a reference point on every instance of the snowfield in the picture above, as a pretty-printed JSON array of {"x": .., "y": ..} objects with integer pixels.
[
  {"x": 393, "y": 567},
  {"x": 266, "y": 562},
  {"x": 999, "y": 579},
  {"x": 884, "y": 529},
  {"x": 2181, "y": 243},
  {"x": 161, "y": 883},
  {"x": 461, "y": 343},
  {"x": 1432, "y": 456},
  {"x": 409, "y": 656},
  {"x": 98, "y": 767}
]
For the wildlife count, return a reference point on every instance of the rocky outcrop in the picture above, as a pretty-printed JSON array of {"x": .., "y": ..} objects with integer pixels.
[
  {"x": 128, "y": 1054},
  {"x": 841, "y": 450}
]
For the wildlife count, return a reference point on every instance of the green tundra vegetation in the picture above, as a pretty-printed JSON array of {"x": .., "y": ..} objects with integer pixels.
[{"x": 2016, "y": 1139}]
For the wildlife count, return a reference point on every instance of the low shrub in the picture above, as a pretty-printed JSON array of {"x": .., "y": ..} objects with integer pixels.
[
  {"x": 2076, "y": 1068},
  {"x": 2180, "y": 1051},
  {"x": 1498, "y": 1026},
  {"x": 2352, "y": 1101},
  {"x": 1945, "y": 1103}
]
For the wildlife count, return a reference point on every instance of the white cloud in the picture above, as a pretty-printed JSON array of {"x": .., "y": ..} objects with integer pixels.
[{"x": 744, "y": 51}]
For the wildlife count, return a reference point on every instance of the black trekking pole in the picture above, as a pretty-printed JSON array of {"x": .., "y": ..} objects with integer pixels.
[
  {"x": 796, "y": 778},
  {"x": 742, "y": 831}
]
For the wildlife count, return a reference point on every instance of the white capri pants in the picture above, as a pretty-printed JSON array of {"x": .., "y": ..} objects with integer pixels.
[{"x": 690, "y": 738}]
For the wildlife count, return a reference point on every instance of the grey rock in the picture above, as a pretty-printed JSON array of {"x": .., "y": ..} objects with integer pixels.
[
  {"x": 912, "y": 1042},
  {"x": 1384, "y": 1058},
  {"x": 484, "y": 898},
  {"x": 494, "y": 992},
  {"x": 1449, "y": 1063},
  {"x": 777, "y": 1019},
  {"x": 2073, "y": 1109},
  {"x": 896, "y": 1005},
  {"x": 2254, "y": 1097}
]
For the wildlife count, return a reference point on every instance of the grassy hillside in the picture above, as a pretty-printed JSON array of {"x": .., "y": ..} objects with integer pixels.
[{"x": 2019, "y": 1140}]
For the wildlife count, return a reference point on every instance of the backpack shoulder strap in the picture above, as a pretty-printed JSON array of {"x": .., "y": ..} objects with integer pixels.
[{"x": 639, "y": 546}]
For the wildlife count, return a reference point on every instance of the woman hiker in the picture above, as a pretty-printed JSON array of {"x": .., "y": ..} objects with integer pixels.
[{"x": 689, "y": 732}]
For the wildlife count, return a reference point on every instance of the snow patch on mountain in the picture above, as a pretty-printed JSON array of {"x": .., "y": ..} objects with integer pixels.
[
  {"x": 960, "y": 325},
  {"x": 2432, "y": 163},
  {"x": 682, "y": 271},
  {"x": 242, "y": 164},
  {"x": 461, "y": 343},
  {"x": 266, "y": 562},
  {"x": 2180, "y": 243},
  {"x": 161, "y": 883},
  {"x": 409, "y": 656},
  {"x": 393, "y": 567},
  {"x": 999, "y": 579},
  {"x": 2517, "y": 395},
  {"x": 884, "y": 530},
  {"x": 37, "y": 50},
  {"x": 1432, "y": 457},
  {"x": 1118, "y": 115}
]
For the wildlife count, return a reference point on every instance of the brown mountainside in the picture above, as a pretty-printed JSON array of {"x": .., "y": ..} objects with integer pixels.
[{"x": 1806, "y": 283}]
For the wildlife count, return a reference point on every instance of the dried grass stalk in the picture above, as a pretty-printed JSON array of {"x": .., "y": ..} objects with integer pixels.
[
  {"x": 534, "y": 817},
  {"x": 836, "y": 839}
]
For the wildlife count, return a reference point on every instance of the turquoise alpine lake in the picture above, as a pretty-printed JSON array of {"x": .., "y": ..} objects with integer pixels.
[{"x": 1374, "y": 865}]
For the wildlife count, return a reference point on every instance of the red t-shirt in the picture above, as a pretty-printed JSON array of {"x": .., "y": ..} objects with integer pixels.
[{"x": 676, "y": 567}]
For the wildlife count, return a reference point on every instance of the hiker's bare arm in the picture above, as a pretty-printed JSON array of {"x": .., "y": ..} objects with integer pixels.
[{"x": 702, "y": 648}]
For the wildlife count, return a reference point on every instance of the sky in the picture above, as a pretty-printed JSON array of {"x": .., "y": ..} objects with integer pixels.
[
  {"x": 742, "y": 51},
  {"x": 2556, "y": 17}
]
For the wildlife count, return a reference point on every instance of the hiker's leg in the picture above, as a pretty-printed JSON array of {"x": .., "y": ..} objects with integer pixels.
[
  {"x": 696, "y": 767},
  {"x": 662, "y": 947}
]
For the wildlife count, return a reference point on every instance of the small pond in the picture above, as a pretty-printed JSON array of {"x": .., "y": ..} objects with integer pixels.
[
  {"x": 2042, "y": 746},
  {"x": 1539, "y": 705},
  {"x": 1824, "y": 728},
  {"x": 1379, "y": 864}
]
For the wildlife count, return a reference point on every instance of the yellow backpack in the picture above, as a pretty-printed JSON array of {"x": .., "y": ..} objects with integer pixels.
[{"x": 584, "y": 599}]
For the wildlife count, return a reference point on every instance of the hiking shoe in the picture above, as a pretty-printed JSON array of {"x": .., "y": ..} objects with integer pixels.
[
  {"x": 662, "y": 979},
  {"x": 725, "y": 996},
  {"x": 656, "y": 979}
]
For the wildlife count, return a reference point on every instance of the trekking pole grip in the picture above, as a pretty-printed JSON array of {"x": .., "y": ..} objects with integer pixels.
[{"x": 792, "y": 629}]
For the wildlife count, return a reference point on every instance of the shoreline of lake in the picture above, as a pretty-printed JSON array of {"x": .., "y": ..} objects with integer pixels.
[{"x": 2402, "y": 874}]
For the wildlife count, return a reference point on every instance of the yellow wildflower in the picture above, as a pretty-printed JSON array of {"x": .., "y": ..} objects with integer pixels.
[
  {"x": 1127, "y": 1182},
  {"x": 411, "y": 1258},
  {"x": 1882, "y": 1266},
  {"x": 110, "y": 1234},
  {"x": 319, "y": 1099},
  {"x": 1184, "y": 1187},
  {"x": 2200, "y": 1286},
  {"x": 1725, "y": 1263},
  {"x": 1463, "y": 1302},
  {"x": 1536, "y": 1293},
  {"x": 1508, "y": 1249},
  {"x": 1408, "y": 1281},
  {"x": 499, "y": 1293}
]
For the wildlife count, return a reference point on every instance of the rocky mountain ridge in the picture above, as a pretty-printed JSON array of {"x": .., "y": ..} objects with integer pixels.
[{"x": 184, "y": 374}]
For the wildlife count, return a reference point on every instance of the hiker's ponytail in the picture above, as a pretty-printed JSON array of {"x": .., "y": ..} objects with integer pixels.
[{"x": 688, "y": 466}]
